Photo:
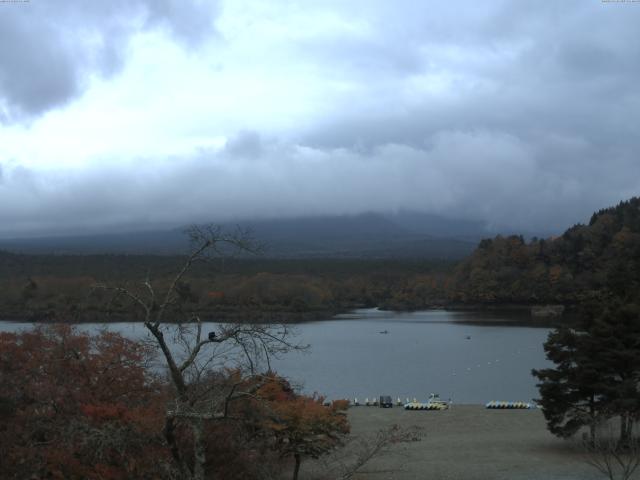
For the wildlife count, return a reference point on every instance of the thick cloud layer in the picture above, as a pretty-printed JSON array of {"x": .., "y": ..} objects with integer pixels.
[
  {"x": 521, "y": 114},
  {"x": 480, "y": 175},
  {"x": 49, "y": 49}
]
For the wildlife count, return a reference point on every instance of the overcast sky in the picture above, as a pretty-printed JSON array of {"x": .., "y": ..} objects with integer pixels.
[{"x": 134, "y": 113}]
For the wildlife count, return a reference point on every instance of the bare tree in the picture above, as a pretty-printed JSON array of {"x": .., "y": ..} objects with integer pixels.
[
  {"x": 358, "y": 452},
  {"x": 190, "y": 355},
  {"x": 611, "y": 457}
]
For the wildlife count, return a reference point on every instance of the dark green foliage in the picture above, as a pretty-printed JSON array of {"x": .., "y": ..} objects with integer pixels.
[
  {"x": 597, "y": 372},
  {"x": 571, "y": 393},
  {"x": 29, "y": 291},
  {"x": 616, "y": 334},
  {"x": 257, "y": 289}
]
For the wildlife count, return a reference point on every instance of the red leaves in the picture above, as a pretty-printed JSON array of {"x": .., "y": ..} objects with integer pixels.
[
  {"x": 75, "y": 406},
  {"x": 78, "y": 406},
  {"x": 105, "y": 412}
]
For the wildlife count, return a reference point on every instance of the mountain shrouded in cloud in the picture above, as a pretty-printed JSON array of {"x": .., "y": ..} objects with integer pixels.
[{"x": 113, "y": 114}]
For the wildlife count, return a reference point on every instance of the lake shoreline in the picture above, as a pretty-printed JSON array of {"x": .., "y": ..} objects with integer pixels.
[
  {"x": 266, "y": 316},
  {"x": 244, "y": 316}
]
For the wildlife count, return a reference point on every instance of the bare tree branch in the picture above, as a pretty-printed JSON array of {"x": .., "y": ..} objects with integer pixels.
[
  {"x": 196, "y": 401},
  {"x": 613, "y": 459}
]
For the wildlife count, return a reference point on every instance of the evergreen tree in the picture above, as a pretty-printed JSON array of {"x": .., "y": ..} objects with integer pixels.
[
  {"x": 616, "y": 333},
  {"x": 597, "y": 372},
  {"x": 571, "y": 393}
]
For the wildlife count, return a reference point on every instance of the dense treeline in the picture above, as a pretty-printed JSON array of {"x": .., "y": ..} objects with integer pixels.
[
  {"x": 60, "y": 287},
  {"x": 586, "y": 262}
]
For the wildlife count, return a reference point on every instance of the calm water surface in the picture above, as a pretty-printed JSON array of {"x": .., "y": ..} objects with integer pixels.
[{"x": 466, "y": 356}]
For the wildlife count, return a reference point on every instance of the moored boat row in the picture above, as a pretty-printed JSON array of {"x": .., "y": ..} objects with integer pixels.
[
  {"x": 427, "y": 406},
  {"x": 495, "y": 404}
]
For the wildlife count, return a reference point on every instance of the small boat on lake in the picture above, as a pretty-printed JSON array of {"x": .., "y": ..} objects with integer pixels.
[{"x": 434, "y": 403}]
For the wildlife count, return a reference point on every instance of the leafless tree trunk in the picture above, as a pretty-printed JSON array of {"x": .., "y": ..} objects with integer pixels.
[
  {"x": 611, "y": 457},
  {"x": 195, "y": 405},
  {"x": 296, "y": 468},
  {"x": 199, "y": 452}
]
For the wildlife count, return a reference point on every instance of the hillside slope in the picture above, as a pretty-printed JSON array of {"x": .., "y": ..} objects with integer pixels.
[
  {"x": 368, "y": 235},
  {"x": 586, "y": 261}
]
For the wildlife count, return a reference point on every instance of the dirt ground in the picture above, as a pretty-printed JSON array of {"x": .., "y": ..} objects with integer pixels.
[{"x": 467, "y": 442}]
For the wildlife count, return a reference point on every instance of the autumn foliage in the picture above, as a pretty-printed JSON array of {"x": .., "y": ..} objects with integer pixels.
[
  {"x": 586, "y": 262},
  {"x": 78, "y": 406},
  {"x": 301, "y": 426}
]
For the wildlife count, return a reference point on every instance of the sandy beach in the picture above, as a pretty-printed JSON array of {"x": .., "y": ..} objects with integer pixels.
[{"x": 469, "y": 442}]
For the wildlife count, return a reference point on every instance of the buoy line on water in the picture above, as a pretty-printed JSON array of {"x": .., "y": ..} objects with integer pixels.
[{"x": 435, "y": 403}]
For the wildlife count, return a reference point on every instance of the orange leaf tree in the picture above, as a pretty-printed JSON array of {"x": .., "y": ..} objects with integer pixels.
[{"x": 302, "y": 426}]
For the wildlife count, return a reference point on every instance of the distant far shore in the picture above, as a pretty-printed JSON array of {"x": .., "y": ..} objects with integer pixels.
[
  {"x": 225, "y": 316},
  {"x": 529, "y": 314}
]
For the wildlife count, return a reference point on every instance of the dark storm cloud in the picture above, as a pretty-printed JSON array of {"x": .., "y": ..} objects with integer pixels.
[
  {"x": 480, "y": 175},
  {"x": 560, "y": 78},
  {"x": 525, "y": 67},
  {"x": 49, "y": 48}
]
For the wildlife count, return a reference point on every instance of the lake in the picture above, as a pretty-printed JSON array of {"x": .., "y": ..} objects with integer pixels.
[{"x": 469, "y": 357}]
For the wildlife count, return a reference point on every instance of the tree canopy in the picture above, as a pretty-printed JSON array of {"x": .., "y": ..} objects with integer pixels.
[
  {"x": 78, "y": 406},
  {"x": 582, "y": 263},
  {"x": 597, "y": 371}
]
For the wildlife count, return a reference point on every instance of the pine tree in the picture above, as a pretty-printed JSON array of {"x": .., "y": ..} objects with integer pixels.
[
  {"x": 571, "y": 393},
  {"x": 597, "y": 372},
  {"x": 616, "y": 333}
]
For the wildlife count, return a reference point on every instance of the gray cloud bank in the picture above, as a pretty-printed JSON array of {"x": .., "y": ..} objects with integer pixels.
[
  {"x": 478, "y": 175},
  {"x": 48, "y": 48},
  {"x": 524, "y": 114}
]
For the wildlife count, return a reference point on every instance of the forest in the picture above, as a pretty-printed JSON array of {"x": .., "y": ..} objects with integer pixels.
[
  {"x": 586, "y": 261},
  {"x": 48, "y": 287}
]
